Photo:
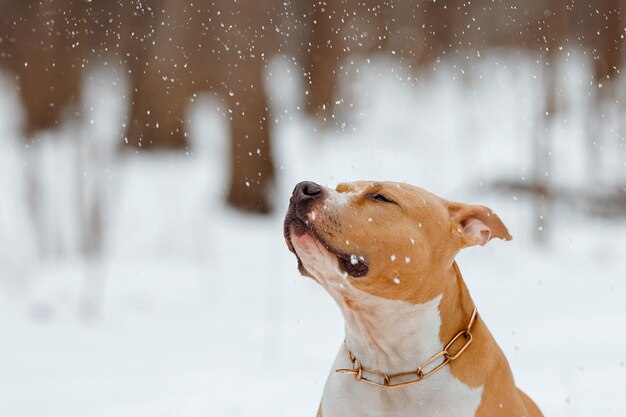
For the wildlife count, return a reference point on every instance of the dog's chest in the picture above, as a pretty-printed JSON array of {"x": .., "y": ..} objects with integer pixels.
[{"x": 440, "y": 395}]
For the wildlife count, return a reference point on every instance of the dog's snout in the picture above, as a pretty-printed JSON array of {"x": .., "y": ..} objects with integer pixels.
[{"x": 306, "y": 190}]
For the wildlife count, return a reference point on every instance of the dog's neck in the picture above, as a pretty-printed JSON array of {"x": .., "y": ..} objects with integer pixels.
[{"x": 394, "y": 335}]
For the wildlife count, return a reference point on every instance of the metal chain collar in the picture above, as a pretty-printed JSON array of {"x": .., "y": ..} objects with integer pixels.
[{"x": 421, "y": 372}]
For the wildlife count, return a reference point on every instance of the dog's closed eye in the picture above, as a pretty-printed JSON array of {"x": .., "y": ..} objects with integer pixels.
[{"x": 380, "y": 197}]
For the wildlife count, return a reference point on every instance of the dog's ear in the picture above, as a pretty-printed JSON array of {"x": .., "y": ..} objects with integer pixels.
[{"x": 476, "y": 225}]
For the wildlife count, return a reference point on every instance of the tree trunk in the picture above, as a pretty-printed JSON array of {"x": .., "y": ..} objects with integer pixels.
[
  {"x": 157, "y": 112},
  {"x": 159, "y": 81},
  {"x": 252, "y": 168},
  {"x": 323, "y": 59}
]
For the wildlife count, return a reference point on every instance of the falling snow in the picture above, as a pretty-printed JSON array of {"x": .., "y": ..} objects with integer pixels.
[{"x": 184, "y": 289}]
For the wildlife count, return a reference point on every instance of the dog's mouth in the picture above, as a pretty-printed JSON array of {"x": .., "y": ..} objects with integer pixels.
[{"x": 353, "y": 265}]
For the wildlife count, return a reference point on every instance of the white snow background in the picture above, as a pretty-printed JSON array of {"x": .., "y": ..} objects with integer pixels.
[{"x": 197, "y": 310}]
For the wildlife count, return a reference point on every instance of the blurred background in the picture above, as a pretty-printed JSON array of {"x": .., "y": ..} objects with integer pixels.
[{"x": 148, "y": 149}]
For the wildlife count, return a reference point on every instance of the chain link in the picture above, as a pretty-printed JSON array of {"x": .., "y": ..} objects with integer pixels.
[{"x": 423, "y": 371}]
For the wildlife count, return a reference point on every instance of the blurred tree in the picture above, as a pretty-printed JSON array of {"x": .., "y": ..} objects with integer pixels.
[
  {"x": 159, "y": 81},
  {"x": 177, "y": 49},
  {"x": 43, "y": 46}
]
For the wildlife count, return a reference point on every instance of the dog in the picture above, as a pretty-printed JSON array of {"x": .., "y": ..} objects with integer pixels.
[{"x": 414, "y": 343}]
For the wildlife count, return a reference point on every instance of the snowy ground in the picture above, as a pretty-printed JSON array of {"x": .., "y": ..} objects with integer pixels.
[{"x": 195, "y": 310}]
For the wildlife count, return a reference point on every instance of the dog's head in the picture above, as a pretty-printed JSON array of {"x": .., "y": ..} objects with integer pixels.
[{"x": 388, "y": 239}]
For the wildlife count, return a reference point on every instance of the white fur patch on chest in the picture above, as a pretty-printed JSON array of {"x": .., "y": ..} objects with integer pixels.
[
  {"x": 416, "y": 330},
  {"x": 439, "y": 395}
]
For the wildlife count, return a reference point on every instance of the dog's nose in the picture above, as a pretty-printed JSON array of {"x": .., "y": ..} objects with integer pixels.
[{"x": 306, "y": 190}]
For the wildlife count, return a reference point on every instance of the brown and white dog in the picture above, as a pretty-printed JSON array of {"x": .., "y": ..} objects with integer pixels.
[{"x": 385, "y": 253}]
